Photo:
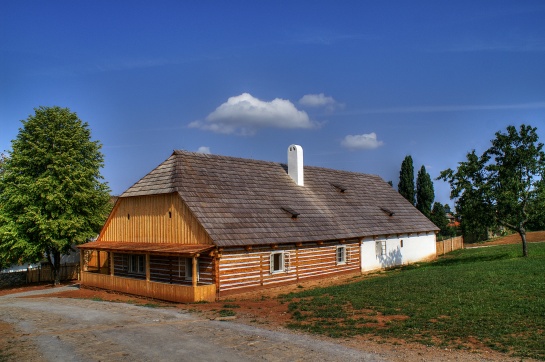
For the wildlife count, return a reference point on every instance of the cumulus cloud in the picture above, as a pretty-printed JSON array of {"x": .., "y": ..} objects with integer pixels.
[
  {"x": 319, "y": 100},
  {"x": 204, "y": 149},
  {"x": 362, "y": 141},
  {"x": 245, "y": 114}
]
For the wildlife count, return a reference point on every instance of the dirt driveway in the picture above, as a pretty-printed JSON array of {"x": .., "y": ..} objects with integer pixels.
[
  {"x": 38, "y": 327},
  {"x": 64, "y": 329}
]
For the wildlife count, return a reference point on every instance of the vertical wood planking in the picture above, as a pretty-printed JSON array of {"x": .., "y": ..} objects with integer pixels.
[{"x": 147, "y": 219}]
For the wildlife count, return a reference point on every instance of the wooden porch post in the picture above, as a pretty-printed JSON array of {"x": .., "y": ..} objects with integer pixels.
[
  {"x": 194, "y": 270},
  {"x": 111, "y": 263},
  {"x": 147, "y": 268},
  {"x": 98, "y": 260},
  {"x": 81, "y": 264}
]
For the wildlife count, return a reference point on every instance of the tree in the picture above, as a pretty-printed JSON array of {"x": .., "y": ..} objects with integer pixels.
[
  {"x": 406, "y": 180},
  {"x": 424, "y": 192},
  {"x": 503, "y": 186},
  {"x": 439, "y": 218},
  {"x": 51, "y": 191}
]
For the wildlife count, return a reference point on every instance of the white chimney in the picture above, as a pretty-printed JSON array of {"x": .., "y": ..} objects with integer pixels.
[{"x": 295, "y": 164}]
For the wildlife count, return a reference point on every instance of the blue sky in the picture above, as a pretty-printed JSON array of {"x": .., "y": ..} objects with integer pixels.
[{"x": 358, "y": 84}]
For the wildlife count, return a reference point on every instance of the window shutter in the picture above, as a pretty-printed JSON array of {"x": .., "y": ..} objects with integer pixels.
[
  {"x": 286, "y": 261},
  {"x": 348, "y": 255},
  {"x": 271, "y": 263}
]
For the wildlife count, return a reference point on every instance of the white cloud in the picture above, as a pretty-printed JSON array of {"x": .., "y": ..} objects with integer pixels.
[
  {"x": 245, "y": 114},
  {"x": 362, "y": 141},
  {"x": 204, "y": 149},
  {"x": 319, "y": 100}
]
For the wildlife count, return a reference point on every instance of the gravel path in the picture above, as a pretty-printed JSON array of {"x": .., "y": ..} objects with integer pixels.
[{"x": 64, "y": 329}]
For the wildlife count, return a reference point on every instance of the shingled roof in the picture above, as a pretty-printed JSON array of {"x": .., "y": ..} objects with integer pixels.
[{"x": 249, "y": 202}]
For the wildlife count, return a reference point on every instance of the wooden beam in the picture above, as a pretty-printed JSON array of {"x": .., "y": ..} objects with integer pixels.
[
  {"x": 98, "y": 260},
  {"x": 194, "y": 269},
  {"x": 111, "y": 263},
  {"x": 148, "y": 273}
]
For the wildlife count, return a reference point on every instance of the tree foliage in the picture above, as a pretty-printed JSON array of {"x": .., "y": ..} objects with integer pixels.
[
  {"x": 406, "y": 180},
  {"x": 503, "y": 186},
  {"x": 51, "y": 191},
  {"x": 439, "y": 218},
  {"x": 424, "y": 192}
]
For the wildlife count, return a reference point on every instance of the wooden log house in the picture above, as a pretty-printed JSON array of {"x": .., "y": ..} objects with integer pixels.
[{"x": 201, "y": 226}]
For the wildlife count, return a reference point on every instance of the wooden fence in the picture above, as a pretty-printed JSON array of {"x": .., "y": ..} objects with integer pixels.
[
  {"x": 448, "y": 245},
  {"x": 44, "y": 273}
]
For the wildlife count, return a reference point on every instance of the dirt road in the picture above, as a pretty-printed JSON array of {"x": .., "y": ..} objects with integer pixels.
[{"x": 62, "y": 329}]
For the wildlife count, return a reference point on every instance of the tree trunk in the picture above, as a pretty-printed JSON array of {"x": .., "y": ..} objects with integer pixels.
[
  {"x": 522, "y": 233},
  {"x": 56, "y": 267}
]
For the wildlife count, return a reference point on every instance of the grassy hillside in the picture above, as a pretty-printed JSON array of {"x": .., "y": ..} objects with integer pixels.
[{"x": 488, "y": 296}]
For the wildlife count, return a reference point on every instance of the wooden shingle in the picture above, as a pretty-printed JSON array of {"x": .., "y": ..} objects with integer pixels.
[{"x": 243, "y": 202}]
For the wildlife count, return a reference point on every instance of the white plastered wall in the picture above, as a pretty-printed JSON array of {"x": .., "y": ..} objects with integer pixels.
[{"x": 385, "y": 252}]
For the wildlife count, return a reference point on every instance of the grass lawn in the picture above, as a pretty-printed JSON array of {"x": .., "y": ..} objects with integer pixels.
[{"x": 490, "y": 296}]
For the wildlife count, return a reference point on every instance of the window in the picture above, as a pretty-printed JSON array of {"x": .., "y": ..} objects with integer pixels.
[
  {"x": 137, "y": 264},
  {"x": 189, "y": 269},
  {"x": 277, "y": 262},
  {"x": 380, "y": 247},
  {"x": 341, "y": 254}
]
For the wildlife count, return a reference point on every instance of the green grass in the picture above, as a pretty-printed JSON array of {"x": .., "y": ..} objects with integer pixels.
[{"x": 491, "y": 295}]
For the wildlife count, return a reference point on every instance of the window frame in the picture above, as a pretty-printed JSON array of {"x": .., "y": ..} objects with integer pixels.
[
  {"x": 189, "y": 269},
  {"x": 282, "y": 262},
  {"x": 137, "y": 264},
  {"x": 343, "y": 250}
]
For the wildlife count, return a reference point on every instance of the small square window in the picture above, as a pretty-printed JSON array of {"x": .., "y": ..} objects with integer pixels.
[
  {"x": 277, "y": 262},
  {"x": 341, "y": 254},
  {"x": 137, "y": 264}
]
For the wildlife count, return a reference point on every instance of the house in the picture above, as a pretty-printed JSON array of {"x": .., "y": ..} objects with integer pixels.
[{"x": 201, "y": 226}]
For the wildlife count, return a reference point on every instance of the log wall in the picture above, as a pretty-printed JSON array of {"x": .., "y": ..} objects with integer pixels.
[
  {"x": 239, "y": 268},
  {"x": 160, "y": 218}
]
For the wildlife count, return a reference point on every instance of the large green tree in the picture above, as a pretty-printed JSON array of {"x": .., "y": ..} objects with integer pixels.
[
  {"x": 503, "y": 186},
  {"x": 406, "y": 180},
  {"x": 424, "y": 192},
  {"x": 52, "y": 194}
]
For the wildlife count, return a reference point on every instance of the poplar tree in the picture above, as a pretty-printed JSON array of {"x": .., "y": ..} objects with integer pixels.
[
  {"x": 52, "y": 194},
  {"x": 406, "y": 180},
  {"x": 424, "y": 192}
]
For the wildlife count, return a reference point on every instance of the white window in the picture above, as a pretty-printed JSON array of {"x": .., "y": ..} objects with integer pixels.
[
  {"x": 137, "y": 264},
  {"x": 341, "y": 254},
  {"x": 278, "y": 264},
  {"x": 380, "y": 247},
  {"x": 189, "y": 268}
]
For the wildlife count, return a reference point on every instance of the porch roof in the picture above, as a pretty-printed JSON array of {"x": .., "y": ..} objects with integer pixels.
[{"x": 151, "y": 248}]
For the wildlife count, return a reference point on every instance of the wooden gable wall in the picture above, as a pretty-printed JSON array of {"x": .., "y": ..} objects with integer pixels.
[{"x": 162, "y": 218}]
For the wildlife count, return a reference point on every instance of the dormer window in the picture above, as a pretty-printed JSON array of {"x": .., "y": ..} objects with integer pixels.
[
  {"x": 290, "y": 211},
  {"x": 339, "y": 187},
  {"x": 388, "y": 212}
]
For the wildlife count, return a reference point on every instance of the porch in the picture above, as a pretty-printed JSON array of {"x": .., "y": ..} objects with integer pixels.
[{"x": 172, "y": 272}]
